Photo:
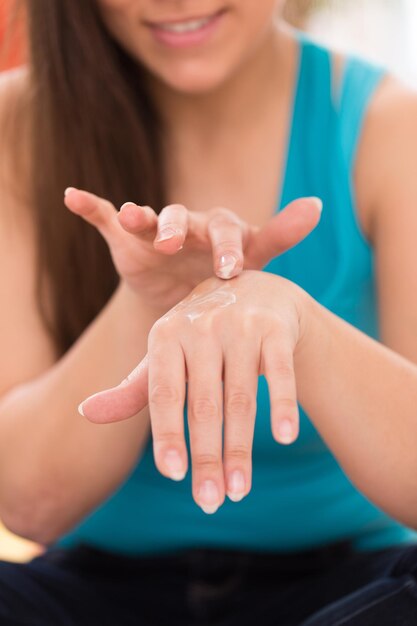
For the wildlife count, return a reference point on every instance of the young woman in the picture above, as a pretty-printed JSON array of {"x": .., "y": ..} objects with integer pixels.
[{"x": 212, "y": 105}]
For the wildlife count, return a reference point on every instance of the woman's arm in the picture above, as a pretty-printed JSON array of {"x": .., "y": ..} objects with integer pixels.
[
  {"x": 54, "y": 466},
  {"x": 375, "y": 401},
  {"x": 362, "y": 398},
  {"x": 386, "y": 183}
]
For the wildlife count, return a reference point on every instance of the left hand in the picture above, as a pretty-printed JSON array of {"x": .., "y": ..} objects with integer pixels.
[{"x": 229, "y": 332}]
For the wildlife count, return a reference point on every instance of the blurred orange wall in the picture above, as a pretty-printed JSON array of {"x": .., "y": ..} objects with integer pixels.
[{"x": 12, "y": 43}]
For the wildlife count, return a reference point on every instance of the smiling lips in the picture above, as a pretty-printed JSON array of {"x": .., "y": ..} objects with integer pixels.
[{"x": 179, "y": 34}]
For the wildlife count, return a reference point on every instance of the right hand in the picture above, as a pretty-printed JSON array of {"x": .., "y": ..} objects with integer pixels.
[{"x": 165, "y": 256}]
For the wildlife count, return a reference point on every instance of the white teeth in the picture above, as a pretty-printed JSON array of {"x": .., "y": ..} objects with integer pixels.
[{"x": 185, "y": 27}]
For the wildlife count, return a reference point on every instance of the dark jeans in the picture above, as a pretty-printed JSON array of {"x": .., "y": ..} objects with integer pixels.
[{"x": 330, "y": 586}]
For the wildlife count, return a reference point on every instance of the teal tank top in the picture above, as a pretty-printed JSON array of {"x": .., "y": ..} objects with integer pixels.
[{"x": 300, "y": 497}]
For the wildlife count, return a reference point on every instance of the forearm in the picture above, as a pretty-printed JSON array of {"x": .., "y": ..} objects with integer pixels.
[
  {"x": 55, "y": 466},
  {"x": 362, "y": 398}
]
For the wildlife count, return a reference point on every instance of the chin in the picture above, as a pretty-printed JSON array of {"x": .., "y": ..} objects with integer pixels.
[{"x": 193, "y": 78}]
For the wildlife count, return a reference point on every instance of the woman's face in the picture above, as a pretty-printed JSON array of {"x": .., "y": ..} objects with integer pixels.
[{"x": 191, "y": 45}]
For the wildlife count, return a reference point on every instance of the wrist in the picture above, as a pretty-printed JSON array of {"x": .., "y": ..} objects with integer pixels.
[
  {"x": 135, "y": 303},
  {"x": 300, "y": 305},
  {"x": 308, "y": 312},
  {"x": 312, "y": 349}
]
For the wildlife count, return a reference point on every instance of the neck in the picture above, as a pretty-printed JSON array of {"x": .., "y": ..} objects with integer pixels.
[{"x": 239, "y": 101}]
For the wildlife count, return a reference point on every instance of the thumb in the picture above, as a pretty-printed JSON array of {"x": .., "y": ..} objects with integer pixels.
[
  {"x": 121, "y": 402},
  {"x": 94, "y": 210},
  {"x": 286, "y": 230}
]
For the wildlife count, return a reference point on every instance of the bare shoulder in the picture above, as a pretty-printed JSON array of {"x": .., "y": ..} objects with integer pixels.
[
  {"x": 13, "y": 83},
  {"x": 391, "y": 122},
  {"x": 14, "y": 93},
  {"x": 26, "y": 348},
  {"x": 387, "y": 158},
  {"x": 387, "y": 184},
  {"x": 14, "y": 129},
  {"x": 391, "y": 97}
]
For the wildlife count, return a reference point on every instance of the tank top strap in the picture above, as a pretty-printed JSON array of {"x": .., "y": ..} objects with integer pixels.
[
  {"x": 315, "y": 71},
  {"x": 360, "y": 80},
  {"x": 313, "y": 122}
]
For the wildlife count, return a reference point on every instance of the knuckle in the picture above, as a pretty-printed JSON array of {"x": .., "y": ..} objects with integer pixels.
[
  {"x": 203, "y": 410},
  {"x": 238, "y": 453},
  {"x": 285, "y": 408},
  {"x": 239, "y": 403},
  {"x": 221, "y": 219},
  {"x": 248, "y": 322},
  {"x": 288, "y": 405},
  {"x": 163, "y": 395},
  {"x": 160, "y": 331},
  {"x": 167, "y": 437},
  {"x": 284, "y": 369},
  {"x": 204, "y": 325},
  {"x": 223, "y": 214},
  {"x": 206, "y": 461},
  {"x": 107, "y": 205},
  {"x": 252, "y": 318}
]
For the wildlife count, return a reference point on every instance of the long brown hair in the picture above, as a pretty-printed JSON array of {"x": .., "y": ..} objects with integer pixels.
[{"x": 93, "y": 126}]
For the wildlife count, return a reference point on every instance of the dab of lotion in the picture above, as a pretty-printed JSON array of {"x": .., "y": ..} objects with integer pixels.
[{"x": 197, "y": 305}]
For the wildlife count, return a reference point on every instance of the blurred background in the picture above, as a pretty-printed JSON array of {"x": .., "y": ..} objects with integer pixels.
[{"x": 384, "y": 31}]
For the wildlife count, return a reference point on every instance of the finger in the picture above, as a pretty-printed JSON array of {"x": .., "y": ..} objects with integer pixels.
[
  {"x": 121, "y": 402},
  {"x": 278, "y": 368},
  {"x": 286, "y": 230},
  {"x": 172, "y": 229},
  {"x": 138, "y": 220},
  {"x": 226, "y": 234},
  {"x": 166, "y": 402},
  {"x": 96, "y": 211},
  {"x": 204, "y": 403},
  {"x": 240, "y": 384}
]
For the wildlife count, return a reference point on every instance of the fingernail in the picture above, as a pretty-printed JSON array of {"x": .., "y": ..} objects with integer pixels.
[
  {"x": 285, "y": 431},
  {"x": 68, "y": 190},
  {"x": 209, "y": 497},
  {"x": 175, "y": 465},
  {"x": 236, "y": 486},
  {"x": 127, "y": 204},
  {"x": 227, "y": 266},
  {"x": 167, "y": 233},
  {"x": 318, "y": 202},
  {"x": 80, "y": 409},
  {"x": 209, "y": 510}
]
